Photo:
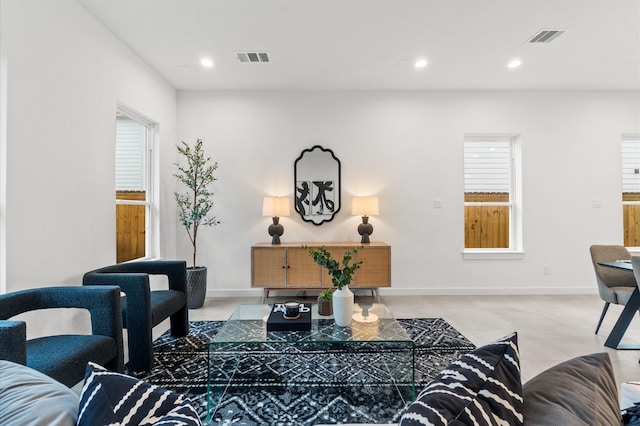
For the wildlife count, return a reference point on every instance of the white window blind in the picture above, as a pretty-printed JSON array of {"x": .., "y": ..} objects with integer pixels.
[
  {"x": 130, "y": 155},
  {"x": 630, "y": 164},
  {"x": 487, "y": 166}
]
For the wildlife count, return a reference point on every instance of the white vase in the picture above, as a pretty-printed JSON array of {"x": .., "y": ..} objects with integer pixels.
[{"x": 343, "y": 306}]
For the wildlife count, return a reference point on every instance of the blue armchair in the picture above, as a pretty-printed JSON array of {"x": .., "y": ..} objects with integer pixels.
[
  {"x": 64, "y": 357},
  {"x": 143, "y": 309}
]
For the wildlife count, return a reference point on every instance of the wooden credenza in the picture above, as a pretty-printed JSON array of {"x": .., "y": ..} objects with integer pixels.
[{"x": 289, "y": 266}]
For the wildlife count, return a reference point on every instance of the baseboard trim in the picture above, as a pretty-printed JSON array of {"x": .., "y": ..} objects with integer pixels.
[
  {"x": 257, "y": 292},
  {"x": 485, "y": 291}
]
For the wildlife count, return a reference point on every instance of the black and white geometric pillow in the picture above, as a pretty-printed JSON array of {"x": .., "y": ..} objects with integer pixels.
[
  {"x": 110, "y": 398},
  {"x": 483, "y": 387}
]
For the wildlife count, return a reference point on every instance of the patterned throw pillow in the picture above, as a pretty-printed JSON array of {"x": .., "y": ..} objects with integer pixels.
[
  {"x": 482, "y": 388},
  {"x": 113, "y": 398}
]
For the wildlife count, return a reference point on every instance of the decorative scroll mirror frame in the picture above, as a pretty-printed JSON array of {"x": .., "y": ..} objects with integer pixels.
[{"x": 316, "y": 182}]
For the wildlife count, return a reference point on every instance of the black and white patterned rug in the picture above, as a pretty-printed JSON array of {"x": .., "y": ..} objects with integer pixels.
[{"x": 290, "y": 389}]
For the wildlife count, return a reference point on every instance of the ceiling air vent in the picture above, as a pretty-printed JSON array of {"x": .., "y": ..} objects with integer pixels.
[
  {"x": 546, "y": 36},
  {"x": 253, "y": 57}
]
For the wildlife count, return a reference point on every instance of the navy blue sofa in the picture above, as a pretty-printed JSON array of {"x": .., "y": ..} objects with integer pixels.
[
  {"x": 64, "y": 357},
  {"x": 143, "y": 309}
]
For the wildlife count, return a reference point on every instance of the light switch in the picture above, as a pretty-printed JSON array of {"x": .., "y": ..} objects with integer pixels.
[{"x": 437, "y": 203}]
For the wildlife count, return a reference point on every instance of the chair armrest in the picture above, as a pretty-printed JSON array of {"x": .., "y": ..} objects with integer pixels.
[
  {"x": 13, "y": 341},
  {"x": 92, "y": 299},
  {"x": 175, "y": 270},
  {"x": 106, "y": 313},
  {"x": 134, "y": 285}
]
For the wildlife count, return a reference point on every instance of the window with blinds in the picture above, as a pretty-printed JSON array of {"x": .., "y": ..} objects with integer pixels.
[
  {"x": 133, "y": 197},
  {"x": 489, "y": 177},
  {"x": 630, "y": 156}
]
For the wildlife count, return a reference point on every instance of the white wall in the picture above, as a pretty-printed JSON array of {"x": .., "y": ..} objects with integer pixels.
[
  {"x": 65, "y": 75},
  {"x": 406, "y": 147}
]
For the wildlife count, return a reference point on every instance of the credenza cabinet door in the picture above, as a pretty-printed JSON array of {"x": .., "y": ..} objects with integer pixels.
[
  {"x": 302, "y": 271},
  {"x": 375, "y": 270},
  {"x": 268, "y": 266}
]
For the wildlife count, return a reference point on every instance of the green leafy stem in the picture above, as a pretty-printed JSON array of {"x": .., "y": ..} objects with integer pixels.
[{"x": 341, "y": 273}]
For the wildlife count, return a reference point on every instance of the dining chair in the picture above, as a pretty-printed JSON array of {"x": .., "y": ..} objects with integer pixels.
[{"x": 614, "y": 285}]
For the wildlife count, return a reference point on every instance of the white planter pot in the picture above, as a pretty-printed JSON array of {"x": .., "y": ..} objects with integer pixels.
[{"x": 343, "y": 306}]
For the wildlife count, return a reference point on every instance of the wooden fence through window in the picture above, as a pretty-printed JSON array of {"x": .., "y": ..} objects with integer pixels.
[
  {"x": 631, "y": 220},
  {"x": 130, "y": 227},
  {"x": 486, "y": 226}
]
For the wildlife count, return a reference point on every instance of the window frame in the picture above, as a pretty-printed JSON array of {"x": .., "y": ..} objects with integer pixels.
[
  {"x": 515, "y": 249},
  {"x": 3, "y": 165},
  {"x": 627, "y": 137},
  {"x": 150, "y": 202}
]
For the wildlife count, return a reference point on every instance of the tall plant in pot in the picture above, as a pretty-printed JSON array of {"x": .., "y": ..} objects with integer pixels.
[
  {"x": 194, "y": 206},
  {"x": 341, "y": 276}
]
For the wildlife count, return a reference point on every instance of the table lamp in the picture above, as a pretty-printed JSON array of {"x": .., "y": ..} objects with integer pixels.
[
  {"x": 275, "y": 207},
  {"x": 365, "y": 207}
]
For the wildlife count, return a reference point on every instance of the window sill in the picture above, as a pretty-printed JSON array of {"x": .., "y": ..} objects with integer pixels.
[{"x": 488, "y": 254}]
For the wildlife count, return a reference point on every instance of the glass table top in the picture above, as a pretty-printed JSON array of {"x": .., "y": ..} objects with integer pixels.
[
  {"x": 374, "y": 352},
  {"x": 370, "y": 323}
]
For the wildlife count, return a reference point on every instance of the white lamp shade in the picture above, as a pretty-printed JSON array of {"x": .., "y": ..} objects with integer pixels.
[
  {"x": 364, "y": 206},
  {"x": 275, "y": 206}
]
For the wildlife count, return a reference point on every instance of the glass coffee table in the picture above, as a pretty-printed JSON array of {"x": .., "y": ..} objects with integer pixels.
[{"x": 374, "y": 350}]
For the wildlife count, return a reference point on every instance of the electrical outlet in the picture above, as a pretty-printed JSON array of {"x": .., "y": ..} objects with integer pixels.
[
  {"x": 547, "y": 270},
  {"x": 437, "y": 203}
]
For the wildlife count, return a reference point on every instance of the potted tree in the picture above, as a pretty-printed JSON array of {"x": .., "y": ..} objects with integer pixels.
[
  {"x": 341, "y": 276},
  {"x": 194, "y": 206}
]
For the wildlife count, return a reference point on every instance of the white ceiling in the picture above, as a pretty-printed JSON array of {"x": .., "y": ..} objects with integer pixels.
[{"x": 361, "y": 44}]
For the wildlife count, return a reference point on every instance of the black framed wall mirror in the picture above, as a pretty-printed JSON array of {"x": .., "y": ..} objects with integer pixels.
[{"x": 316, "y": 179}]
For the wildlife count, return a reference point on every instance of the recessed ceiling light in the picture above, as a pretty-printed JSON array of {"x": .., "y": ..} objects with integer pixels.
[
  {"x": 206, "y": 62},
  {"x": 515, "y": 63},
  {"x": 420, "y": 63}
]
